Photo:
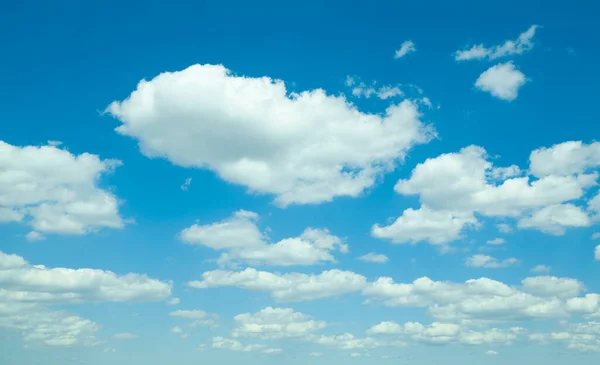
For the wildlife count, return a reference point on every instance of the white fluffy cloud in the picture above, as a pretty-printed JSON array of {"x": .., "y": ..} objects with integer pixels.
[
  {"x": 373, "y": 257},
  {"x": 489, "y": 262},
  {"x": 453, "y": 187},
  {"x": 291, "y": 287},
  {"x": 434, "y": 226},
  {"x": 567, "y": 158},
  {"x": 502, "y": 81},
  {"x": 510, "y": 47},
  {"x": 406, "y": 48},
  {"x": 22, "y": 282},
  {"x": 554, "y": 218},
  {"x": 597, "y": 253},
  {"x": 485, "y": 300},
  {"x": 206, "y": 117},
  {"x": 243, "y": 241},
  {"x": 275, "y": 323},
  {"x": 27, "y": 290},
  {"x": 54, "y": 191}
]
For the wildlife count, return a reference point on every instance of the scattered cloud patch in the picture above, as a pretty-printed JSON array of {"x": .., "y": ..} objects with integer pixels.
[
  {"x": 406, "y": 48},
  {"x": 510, "y": 47},
  {"x": 242, "y": 240},
  {"x": 186, "y": 184},
  {"x": 489, "y": 262},
  {"x": 373, "y": 257}
]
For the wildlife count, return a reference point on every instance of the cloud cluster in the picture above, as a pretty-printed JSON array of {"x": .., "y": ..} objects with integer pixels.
[
  {"x": 54, "y": 191},
  {"x": 293, "y": 287},
  {"x": 206, "y": 117},
  {"x": 275, "y": 323},
  {"x": 27, "y": 291},
  {"x": 242, "y": 240},
  {"x": 454, "y": 186}
]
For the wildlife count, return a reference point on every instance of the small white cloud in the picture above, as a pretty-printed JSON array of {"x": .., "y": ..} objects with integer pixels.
[
  {"x": 34, "y": 236},
  {"x": 374, "y": 258},
  {"x": 597, "y": 253},
  {"x": 595, "y": 235},
  {"x": 510, "y": 47},
  {"x": 541, "y": 269},
  {"x": 186, "y": 184},
  {"x": 176, "y": 329},
  {"x": 355, "y": 354},
  {"x": 406, "y": 48},
  {"x": 315, "y": 354},
  {"x": 491, "y": 352},
  {"x": 125, "y": 336},
  {"x": 504, "y": 228},
  {"x": 502, "y": 81},
  {"x": 174, "y": 301},
  {"x": 496, "y": 241},
  {"x": 488, "y": 262}
]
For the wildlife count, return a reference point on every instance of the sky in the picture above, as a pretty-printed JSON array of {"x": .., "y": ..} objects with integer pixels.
[{"x": 319, "y": 182}]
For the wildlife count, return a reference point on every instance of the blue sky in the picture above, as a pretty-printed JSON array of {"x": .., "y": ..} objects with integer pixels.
[{"x": 333, "y": 182}]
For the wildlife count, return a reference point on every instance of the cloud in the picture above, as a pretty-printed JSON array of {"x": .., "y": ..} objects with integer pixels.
[
  {"x": 439, "y": 333},
  {"x": 434, "y": 226},
  {"x": 567, "y": 158},
  {"x": 34, "y": 236},
  {"x": 55, "y": 191},
  {"x": 315, "y": 354},
  {"x": 504, "y": 228},
  {"x": 406, "y": 48},
  {"x": 50, "y": 328},
  {"x": 384, "y": 92},
  {"x": 491, "y": 352},
  {"x": 548, "y": 286},
  {"x": 206, "y": 117},
  {"x": 125, "y": 336},
  {"x": 502, "y": 81},
  {"x": 234, "y": 345},
  {"x": 374, "y": 258},
  {"x": 275, "y": 323},
  {"x": 347, "y": 341},
  {"x": 510, "y": 47},
  {"x": 189, "y": 314},
  {"x": 489, "y": 262},
  {"x": 199, "y": 317},
  {"x": 481, "y": 301},
  {"x": 23, "y": 282},
  {"x": 243, "y": 241},
  {"x": 554, "y": 218},
  {"x": 541, "y": 269},
  {"x": 455, "y": 188},
  {"x": 496, "y": 241},
  {"x": 176, "y": 329},
  {"x": 174, "y": 301},
  {"x": 577, "y": 336},
  {"x": 597, "y": 253},
  {"x": 294, "y": 287},
  {"x": 27, "y": 291},
  {"x": 186, "y": 184}
]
